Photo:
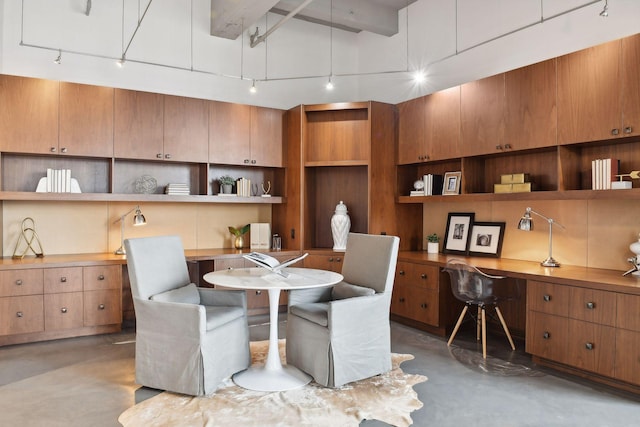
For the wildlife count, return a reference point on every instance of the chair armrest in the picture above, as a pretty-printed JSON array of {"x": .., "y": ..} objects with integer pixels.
[
  {"x": 365, "y": 310},
  {"x": 301, "y": 296},
  {"x": 219, "y": 297},
  {"x": 171, "y": 318}
]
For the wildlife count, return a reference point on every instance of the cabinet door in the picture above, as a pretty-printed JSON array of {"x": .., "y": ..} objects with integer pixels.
[
  {"x": 591, "y": 347},
  {"x": 342, "y": 136},
  {"x": 592, "y": 306},
  {"x": 417, "y": 275},
  {"x": 442, "y": 124},
  {"x": 138, "y": 125},
  {"x": 21, "y": 282},
  {"x": 229, "y": 133},
  {"x": 547, "y": 336},
  {"x": 531, "y": 118},
  {"x": 324, "y": 262},
  {"x": 101, "y": 277},
  {"x": 102, "y": 307},
  {"x": 631, "y": 85},
  {"x": 400, "y": 299},
  {"x": 589, "y": 94},
  {"x": 227, "y": 263},
  {"x": 28, "y": 115},
  {"x": 186, "y": 129},
  {"x": 482, "y": 116},
  {"x": 627, "y": 309},
  {"x": 86, "y": 120},
  {"x": 423, "y": 306},
  {"x": 266, "y": 137},
  {"x": 21, "y": 315},
  {"x": 411, "y": 131},
  {"x": 548, "y": 298},
  {"x": 627, "y": 364},
  {"x": 63, "y": 279},
  {"x": 63, "y": 311}
]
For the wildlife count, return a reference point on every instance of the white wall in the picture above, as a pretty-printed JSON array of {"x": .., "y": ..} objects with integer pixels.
[{"x": 175, "y": 35}]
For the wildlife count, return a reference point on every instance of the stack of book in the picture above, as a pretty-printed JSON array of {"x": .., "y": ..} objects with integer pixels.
[
  {"x": 432, "y": 184},
  {"x": 58, "y": 180},
  {"x": 513, "y": 183},
  {"x": 177, "y": 190},
  {"x": 244, "y": 187},
  {"x": 603, "y": 172}
]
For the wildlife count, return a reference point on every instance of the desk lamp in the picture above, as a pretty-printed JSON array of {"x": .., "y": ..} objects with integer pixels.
[
  {"x": 526, "y": 224},
  {"x": 138, "y": 219}
]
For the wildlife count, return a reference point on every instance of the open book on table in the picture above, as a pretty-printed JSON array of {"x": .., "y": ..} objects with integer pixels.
[{"x": 270, "y": 263}]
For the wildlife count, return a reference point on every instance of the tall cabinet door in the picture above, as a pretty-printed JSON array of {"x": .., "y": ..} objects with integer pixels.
[
  {"x": 28, "y": 114},
  {"x": 589, "y": 93},
  {"x": 631, "y": 85},
  {"x": 266, "y": 136},
  {"x": 138, "y": 125},
  {"x": 411, "y": 131},
  {"x": 186, "y": 129},
  {"x": 482, "y": 116},
  {"x": 442, "y": 124},
  {"x": 86, "y": 120},
  {"x": 229, "y": 133}
]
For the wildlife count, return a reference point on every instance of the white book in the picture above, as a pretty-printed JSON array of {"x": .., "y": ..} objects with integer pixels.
[
  {"x": 67, "y": 181},
  {"x": 598, "y": 174},
  {"x": 271, "y": 263},
  {"x": 607, "y": 174},
  {"x": 49, "y": 180},
  {"x": 593, "y": 175}
]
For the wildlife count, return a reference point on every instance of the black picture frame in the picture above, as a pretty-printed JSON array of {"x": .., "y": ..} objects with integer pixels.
[
  {"x": 486, "y": 239},
  {"x": 458, "y": 232}
]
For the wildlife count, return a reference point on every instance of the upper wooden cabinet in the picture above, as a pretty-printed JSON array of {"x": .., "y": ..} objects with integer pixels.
[
  {"x": 28, "y": 114},
  {"x": 245, "y": 135},
  {"x": 411, "y": 131},
  {"x": 442, "y": 124},
  {"x": 598, "y": 92},
  {"x": 482, "y": 126},
  {"x": 86, "y": 120},
  {"x": 138, "y": 125},
  {"x": 531, "y": 117},
  {"x": 186, "y": 129}
]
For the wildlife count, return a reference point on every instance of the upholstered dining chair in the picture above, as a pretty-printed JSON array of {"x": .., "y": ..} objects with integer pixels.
[
  {"x": 342, "y": 334},
  {"x": 188, "y": 339},
  {"x": 475, "y": 288}
]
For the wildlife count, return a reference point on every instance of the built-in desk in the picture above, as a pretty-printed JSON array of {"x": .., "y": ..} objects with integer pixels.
[{"x": 584, "y": 321}]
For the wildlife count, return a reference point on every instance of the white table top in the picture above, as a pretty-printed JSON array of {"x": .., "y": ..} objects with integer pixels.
[{"x": 261, "y": 278}]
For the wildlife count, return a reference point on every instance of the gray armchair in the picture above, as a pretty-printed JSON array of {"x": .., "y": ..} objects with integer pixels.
[
  {"x": 342, "y": 334},
  {"x": 188, "y": 339}
]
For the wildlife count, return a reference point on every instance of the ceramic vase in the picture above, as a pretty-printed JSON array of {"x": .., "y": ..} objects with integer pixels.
[
  {"x": 340, "y": 226},
  {"x": 239, "y": 242}
]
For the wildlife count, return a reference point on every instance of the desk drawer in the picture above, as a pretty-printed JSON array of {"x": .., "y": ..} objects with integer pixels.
[
  {"x": 21, "y": 315},
  {"x": 101, "y": 277},
  {"x": 547, "y": 336},
  {"x": 592, "y": 306},
  {"x": 416, "y": 304},
  {"x": 21, "y": 282},
  {"x": 591, "y": 347},
  {"x": 63, "y": 311},
  {"x": 548, "y": 298},
  {"x": 628, "y": 309},
  {"x": 65, "y": 279},
  {"x": 419, "y": 275},
  {"x": 627, "y": 365},
  {"x": 102, "y": 307}
]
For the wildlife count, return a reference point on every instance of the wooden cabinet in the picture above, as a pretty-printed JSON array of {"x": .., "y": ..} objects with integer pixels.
[
  {"x": 330, "y": 262},
  {"x": 627, "y": 348},
  {"x": 411, "y": 131},
  {"x": 186, "y": 129},
  {"x": 482, "y": 124},
  {"x": 86, "y": 120},
  {"x": 28, "y": 114},
  {"x": 63, "y": 311},
  {"x": 442, "y": 124},
  {"x": 416, "y": 293},
  {"x": 245, "y": 135},
  {"x": 531, "y": 116},
  {"x": 21, "y": 302},
  {"x": 139, "y": 118}
]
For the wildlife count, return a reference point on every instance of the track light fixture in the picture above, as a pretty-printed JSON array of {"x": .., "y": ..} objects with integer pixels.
[
  {"x": 253, "y": 88},
  {"x": 120, "y": 62},
  {"x": 605, "y": 10},
  {"x": 419, "y": 76},
  {"x": 58, "y": 60},
  {"x": 329, "y": 84}
]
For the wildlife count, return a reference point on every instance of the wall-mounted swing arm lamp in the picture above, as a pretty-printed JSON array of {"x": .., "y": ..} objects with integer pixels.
[
  {"x": 138, "y": 219},
  {"x": 526, "y": 224}
]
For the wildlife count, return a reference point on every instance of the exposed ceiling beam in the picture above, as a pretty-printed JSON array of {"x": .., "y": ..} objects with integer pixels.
[{"x": 227, "y": 16}]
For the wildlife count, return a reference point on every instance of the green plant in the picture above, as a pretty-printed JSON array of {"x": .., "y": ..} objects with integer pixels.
[
  {"x": 226, "y": 180},
  {"x": 239, "y": 231},
  {"x": 433, "y": 238}
]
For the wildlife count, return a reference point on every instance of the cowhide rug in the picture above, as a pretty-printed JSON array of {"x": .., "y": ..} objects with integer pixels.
[{"x": 389, "y": 397}]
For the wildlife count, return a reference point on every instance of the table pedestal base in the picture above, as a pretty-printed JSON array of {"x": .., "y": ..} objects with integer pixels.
[{"x": 263, "y": 379}]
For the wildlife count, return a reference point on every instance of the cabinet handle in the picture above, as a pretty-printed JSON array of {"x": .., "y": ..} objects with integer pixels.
[
  {"x": 590, "y": 305},
  {"x": 167, "y": 156},
  {"x": 63, "y": 310},
  {"x": 101, "y": 277},
  {"x": 253, "y": 162},
  {"x": 53, "y": 149},
  {"x": 159, "y": 156},
  {"x": 401, "y": 299},
  {"x": 615, "y": 131},
  {"x": 338, "y": 259},
  {"x": 64, "y": 149},
  {"x": 19, "y": 282},
  {"x": 588, "y": 346},
  {"x": 401, "y": 272},
  {"x": 423, "y": 305},
  {"x": 258, "y": 292},
  {"x": 330, "y": 259},
  {"x": 63, "y": 279},
  {"x": 19, "y": 314},
  {"x": 628, "y": 129},
  {"x": 101, "y": 307},
  {"x": 507, "y": 146},
  {"x": 498, "y": 147},
  {"x": 423, "y": 276},
  {"x": 547, "y": 298},
  {"x": 246, "y": 161},
  {"x": 546, "y": 336}
]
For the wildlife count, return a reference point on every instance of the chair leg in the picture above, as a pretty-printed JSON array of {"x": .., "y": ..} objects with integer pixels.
[
  {"x": 479, "y": 324},
  {"x": 504, "y": 326},
  {"x": 484, "y": 333},
  {"x": 455, "y": 329}
]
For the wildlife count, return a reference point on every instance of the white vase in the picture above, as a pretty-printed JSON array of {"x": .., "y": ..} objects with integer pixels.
[
  {"x": 340, "y": 226},
  {"x": 432, "y": 247}
]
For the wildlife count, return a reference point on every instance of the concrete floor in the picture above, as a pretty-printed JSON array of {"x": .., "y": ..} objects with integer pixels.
[{"x": 90, "y": 381}]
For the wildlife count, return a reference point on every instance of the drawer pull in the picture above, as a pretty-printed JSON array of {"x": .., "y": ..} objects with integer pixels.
[
  {"x": 101, "y": 277},
  {"x": 330, "y": 259},
  {"x": 423, "y": 276},
  {"x": 615, "y": 131},
  {"x": 590, "y": 305},
  {"x": 19, "y": 282},
  {"x": 338, "y": 259},
  {"x": 63, "y": 310},
  {"x": 401, "y": 299},
  {"x": 101, "y": 307},
  {"x": 546, "y": 336},
  {"x": 63, "y": 279},
  {"x": 401, "y": 272},
  {"x": 423, "y": 305},
  {"x": 547, "y": 298},
  {"x": 19, "y": 314},
  {"x": 628, "y": 129},
  {"x": 588, "y": 346}
]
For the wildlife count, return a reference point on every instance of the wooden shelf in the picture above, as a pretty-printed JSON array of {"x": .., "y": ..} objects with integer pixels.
[
  {"x": 535, "y": 195},
  {"x": 147, "y": 198}
]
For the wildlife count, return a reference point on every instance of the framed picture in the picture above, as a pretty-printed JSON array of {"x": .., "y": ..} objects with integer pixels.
[
  {"x": 456, "y": 238},
  {"x": 486, "y": 239},
  {"x": 451, "y": 183}
]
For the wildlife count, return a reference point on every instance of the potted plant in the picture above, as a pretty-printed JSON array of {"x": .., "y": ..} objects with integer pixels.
[
  {"x": 226, "y": 184},
  {"x": 432, "y": 243},
  {"x": 239, "y": 233}
]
